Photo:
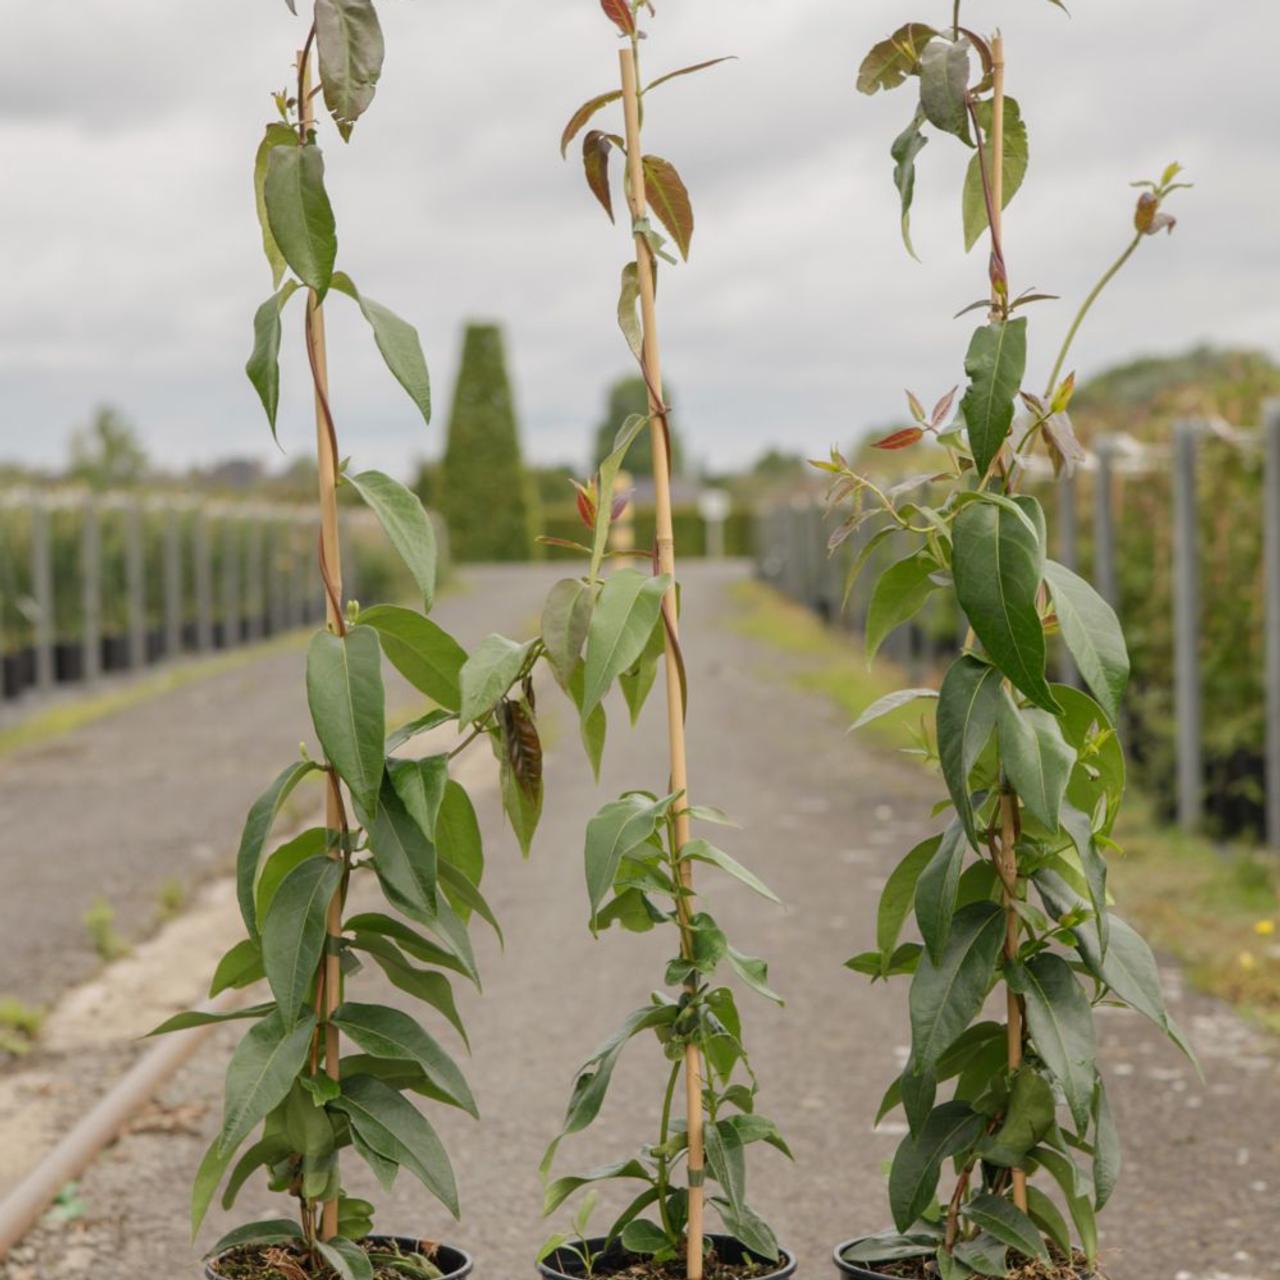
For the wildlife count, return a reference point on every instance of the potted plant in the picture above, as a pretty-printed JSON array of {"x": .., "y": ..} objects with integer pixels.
[
  {"x": 640, "y": 850},
  {"x": 1012, "y": 893},
  {"x": 322, "y": 1071}
]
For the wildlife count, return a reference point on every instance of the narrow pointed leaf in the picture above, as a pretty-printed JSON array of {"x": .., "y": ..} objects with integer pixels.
[
  {"x": 906, "y": 146},
  {"x": 349, "y": 39},
  {"x": 913, "y": 1178},
  {"x": 583, "y": 114},
  {"x": 427, "y": 656},
  {"x": 898, "y": 595},
  {"x": 994, "y": 365},
  {"x": 1004, "y": 1220},
  {"x": 1014, "y": 168},
  {"x": 623, "y": 620},
  {"x": 299, "y": 213},
  {"x": 405, "y": 522},
  {"x": 263, "y": 365},
  {"x": 937, "y": 890},
  {"x": 277, "y": 134},
  {"x": 968, "y": 704},
  {"x": 293, "y": 932},
  {"x": 344, "y": 691},
  {"x": 669, "y": 200},
  {"x": 488, "y": 674},
  {"x": 261, "y": 1073},
  {"x": 1092, "y": 635},
  {"x": 944, "y": 82},
  {"x": 1037, "y": 758}
]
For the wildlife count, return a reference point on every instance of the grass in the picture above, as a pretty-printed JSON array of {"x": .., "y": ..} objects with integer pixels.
[
  {"x": 100, "y": 924},
  {"x": 19, "y": 1026},
  {"x": 1215, "y": 909}
]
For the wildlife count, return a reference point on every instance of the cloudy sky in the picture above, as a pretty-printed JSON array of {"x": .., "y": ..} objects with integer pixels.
[{"x": 131, "y": 262}]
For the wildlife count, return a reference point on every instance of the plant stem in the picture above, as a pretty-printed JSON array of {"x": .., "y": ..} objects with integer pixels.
[
  {"x": 666, "y": 557},
  {"x": 329, "y": 982},
  {"x": 1097, "y": 289},
  {"x": 1009, "y": 877},
  {"x": 663, "y": 1132}
]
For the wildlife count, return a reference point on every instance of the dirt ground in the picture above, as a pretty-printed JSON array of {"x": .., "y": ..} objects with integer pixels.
[{"x": 824, "y": 820}]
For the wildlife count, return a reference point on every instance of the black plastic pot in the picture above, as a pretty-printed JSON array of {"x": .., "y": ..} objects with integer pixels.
[
  {"x": 453, "y": 1263},
  {"x": 853, "y": 1270},
  {"x": 564, "y": 1265}
]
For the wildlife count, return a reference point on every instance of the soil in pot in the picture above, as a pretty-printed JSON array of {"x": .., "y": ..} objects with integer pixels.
[
  {"x": 727, "y": 1259},
  {"x": 393, "y": 1258},
  {"x": 1057, "y": 1268}
]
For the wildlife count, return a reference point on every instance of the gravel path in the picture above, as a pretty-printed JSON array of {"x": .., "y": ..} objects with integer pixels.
[{"x": 824, "y": 820}]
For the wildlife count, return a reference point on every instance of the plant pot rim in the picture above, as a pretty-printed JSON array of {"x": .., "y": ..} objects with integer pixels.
[
  {"x": 459, "y": 1271},
  {"x": 859, "y": 1271},
  {"x": 784, "y": 1269}
]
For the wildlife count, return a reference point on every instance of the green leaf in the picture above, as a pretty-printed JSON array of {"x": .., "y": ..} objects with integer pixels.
[
  {"x": 266, "y": 1151},
  {"x": 389, "y": 1033},
  {"x": 968, "y": 704},
  {"x": 903, "y": 151},
  {"x": 403, "y": 857},
  {"x": 405, "y": 522},
  {"x": 937, "y": 890},
  {"x": 309, "y": 844},
  {"x": 608, "y": 475},
  {"x": 629, "y": 605},
  {"x": 637, "y": 681},
  {"x": 997, "y": 562},
  {"x": 594, "y": 727},
  {"x": 899, "y": 894},
  {"x": 913, "y": 1178},
  {"x": 1092, "y": 635},
  {"x": 293, "y": 932},
  {"x": 891, "y": 61},
  {"x": 727, "y": 1162},
  {"x": 1079, "y": 827},
  {"x": 669, "y": 200},
  {"x": 891, "y": 702},
  {"x": 644, "y": 1237},
  {"x": 698, "y": 850},
  {"x": 270, "y": 1231},
  {"x": 1067, "y": 1176},
  {"x": 418, "y": 946},
  {"x": 1045, "y": 1214},
  {"x": 428, "y": 657},
  {"x": 1028, "y": 1116},
  {"x": 944, "y": 83},
  {"x": 619, "y": 828},
  {"x": 426, "y": 985},
  {"x": 263, "y": 365},
  {"x": 561, "y": 1189},
  {"x": 1037, "y": 758},
  {"x": 349, "y": 40},
  {"x": 1106, "y": 1148},
  {"x": 420, "y": 724},
  {"x": 201, "y": 1018},
  {"x": 488, "y": 673},
  {"x": 628, "y": 317},
  {"x": 398, "y": 342},
  {"x": 241, "y": 966},
  {"x": 890, "y": 1247},
  {"x": 898, "y": 594},
  {"x": 208, "y": 1176},
  {"x": 994, "y": 365},
  {"x": 1007, "y": 1223},
  {"x": 754, "y": 972},
  {"x": 257, "y": 827},
  {"x": 348, "y": 708},
  {"x": 983, "y": 1255},
  {"x": 1013, "y": 168},
  {"x": 347, "y": 1259},
  {"x": 421, "y": 784},
  {"x": 1100, "y": 767},
  {"x": 947, "y": 996},
  {"x": 261, "y": 1073},
  {"x": 299, "y": 213},
  {"x": 458, "y": 839},
  {"x": 565, "y": 618},
  {"x": 398, "y": 1132},
  {"x": 277, "y": 134},
  {"x": 1060, "y": 1020}
]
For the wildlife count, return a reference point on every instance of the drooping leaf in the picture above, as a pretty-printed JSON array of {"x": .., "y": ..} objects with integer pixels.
[
  {"x": 583, "y": 114},
  {"x": 240, "y": 966},
  {"x": 1080, "y": 1206},
  {"x": 261, "y": 1072},
  {"x": 1028, "y": 1116},
  {"x": 944, "y": 83},
  {"x": 899, "y": 892},
  {"x": 906, "y": 146},
  {"x": 398, "y": 342},
  {"x": 565, "y": 617},
  {"x": 346, "y": 1258},
  {"x": 1004, "y": 1220},
  {"x": 687, "y": 71},
  {"x": 458, "y": 838},
  {"x": 1013, "y": 169},
  {"x": 913, "y": 1178},
  {"x": 253, "y": 839},
  {"x": 994, "y": 365},
  {"x": 263, "y": 365},
  {"x": 561, "y": 1189},
  {"x": 891, "y": 61},
  {"x": 623, "y": 620},
  {"x": 521, "y": 770},
  {"x": 982, "y": 1255},
  {"x": 427, "y": 985},
  {"x": 1037, "y": 758},
  {"x": 1060, "y": 1020},
  {"x": 898, "y": 595},
  {"x": 947, "y": 996},
  {"x": 270, "y": 1231},
  {"x": 619, "y": 828},
  {"x": 620, "y": 14},
  {"x": 1046, "y": 1215},
  {"x": 1079, "y": 827},
  {"x": 293, "y": 931},
  {"x": 968, "y": 704},
  {"x": 200, "y": 1018},
  {"x": 345, "y": 694},
  {"x": 608, "y": 475},
  {"x": 299, "y": 213},
  {"x": 596, "y": 149},
  {"x": 700, "y": 851},
  {"x": 419, "y": 724},
  {"x": 488, "y": 674},
  {"x": 405, "y": 522},
  {"x": 278, "y": 134},
  {"x": 593, "y": 728},
  {"x": 404, "y": 858},
  {"x": 310, "y": 843},
  {"x": 628, "y": 318},
  {"x": 393, "y": 1127},
  {"x": 669, "y": 200},
  {"x": 1106, "y": 1148},
  {"x": 937, "y": 890},
  {"x": 428, "y": 657},
  {"x": 997, "y": 561},
  {"x": 1092, "y": 635},
  {"x": 421, "y": 784},
  {"x": 349, "y": 39},
  {"x": 891, "y": 702},
  {"x": 389, "y": 1033}
]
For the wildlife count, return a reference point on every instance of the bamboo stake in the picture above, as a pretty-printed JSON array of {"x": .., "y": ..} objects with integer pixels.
[
  {"x": 666, "y": 557},
  {"x": 329, "y": 984}
]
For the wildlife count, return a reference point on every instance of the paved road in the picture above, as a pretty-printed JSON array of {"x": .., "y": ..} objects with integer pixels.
[{"x": 824, "y": 821}]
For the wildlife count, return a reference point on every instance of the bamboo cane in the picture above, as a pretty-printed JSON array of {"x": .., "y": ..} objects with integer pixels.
[
  {"x": 329, "y": 980},
  {"x": 666, "y": 558}
]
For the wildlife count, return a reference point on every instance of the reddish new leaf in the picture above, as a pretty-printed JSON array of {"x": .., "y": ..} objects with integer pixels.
[
  {"x": 619, "y": 13},
  {"x": 583, "y": 114},
  {"x": 899, "y": 439},
  {"x": 669, "y": 200},
  {"x": 942, "y": 409},
  {"x": 596, "y": 146}
]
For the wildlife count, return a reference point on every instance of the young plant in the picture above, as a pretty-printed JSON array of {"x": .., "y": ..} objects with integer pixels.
[
  {"x": 640, "y": 851},
  {"x": 402, "y": 827},
  {"x": 1013, "y": 891}
]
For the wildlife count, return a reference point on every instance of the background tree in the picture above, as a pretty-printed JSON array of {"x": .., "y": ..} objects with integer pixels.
[
  {"x": 627, "y": 396},
  {"x": 107, "y": 453},
  {"x": 483, "y": 492}
]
